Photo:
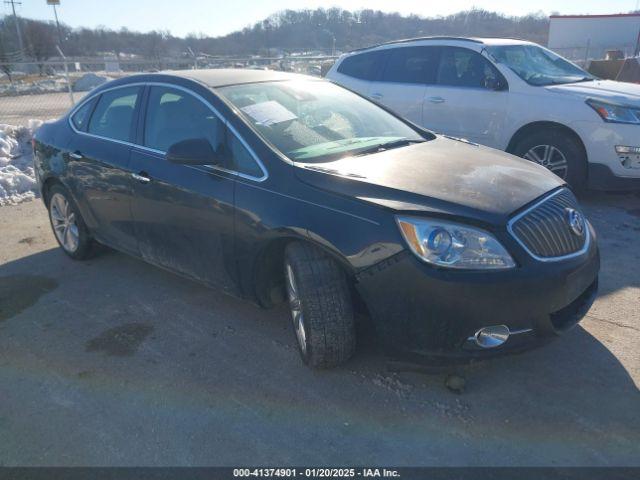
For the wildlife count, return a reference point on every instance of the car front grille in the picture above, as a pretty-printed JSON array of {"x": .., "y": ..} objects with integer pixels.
[{"x": 545, "y": 230}]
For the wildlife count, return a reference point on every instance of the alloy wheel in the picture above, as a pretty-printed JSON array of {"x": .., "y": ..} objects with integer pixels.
[
  {"x": 550, "y": 157},
  {"x": 63, "y": 220},
  {"x": 296, "y": 309}
]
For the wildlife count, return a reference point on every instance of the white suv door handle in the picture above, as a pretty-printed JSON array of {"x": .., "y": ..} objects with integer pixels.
[
  {"x": 436, "y": 99},
  {"x": 376, "y": 96}
]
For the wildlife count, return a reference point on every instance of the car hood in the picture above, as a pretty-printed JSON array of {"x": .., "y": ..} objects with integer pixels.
[
  {"x": 441, "y": 176},
  {"x": 608, "y": 90}
]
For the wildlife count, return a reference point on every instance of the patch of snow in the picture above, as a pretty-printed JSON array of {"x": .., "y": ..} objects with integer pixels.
[
  {"x": 17, "y": 179},
  {"x": 89, "y": 81},
  {"x": 46, "y": 85}
]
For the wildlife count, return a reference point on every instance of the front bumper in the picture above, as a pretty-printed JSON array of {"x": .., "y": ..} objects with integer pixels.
[
  {"x": 609, "y": 170},
  {"x": 423, "y": 310}
]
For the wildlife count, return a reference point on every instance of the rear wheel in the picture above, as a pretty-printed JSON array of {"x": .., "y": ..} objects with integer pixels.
[
  {"x": 321, "y": 307},
  {"x": 559, "y": 152},
  {"x": 67, "y": 224}
]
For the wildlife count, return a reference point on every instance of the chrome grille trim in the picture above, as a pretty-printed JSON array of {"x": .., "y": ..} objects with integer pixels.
[{"x": 548, "y": 223}]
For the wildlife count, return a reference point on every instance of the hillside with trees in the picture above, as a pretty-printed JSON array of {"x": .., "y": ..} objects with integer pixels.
[{"x": 287, "y": 31}]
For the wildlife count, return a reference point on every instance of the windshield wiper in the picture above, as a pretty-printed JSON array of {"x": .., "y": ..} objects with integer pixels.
[
  {"x": 586, "y": 79},
  {"x": 565, "y": 82},
  {"x": 387, "y": 146}
]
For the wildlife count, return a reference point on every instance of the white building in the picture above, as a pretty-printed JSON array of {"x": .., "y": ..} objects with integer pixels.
[{"x": 585, "y": 37}]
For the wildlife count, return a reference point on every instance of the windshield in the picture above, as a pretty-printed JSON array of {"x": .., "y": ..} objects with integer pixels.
[
  {"x": 315, "y": 120},
  {"x": 537, "y": 65}
]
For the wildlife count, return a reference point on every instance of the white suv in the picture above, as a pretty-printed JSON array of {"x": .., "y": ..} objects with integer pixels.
[{"x": 508, "y": 94}]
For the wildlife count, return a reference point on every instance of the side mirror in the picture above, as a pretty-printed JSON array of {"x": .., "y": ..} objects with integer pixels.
[
  {"x": 493, "y": 83},
  {"x": 194, "y": 151}
]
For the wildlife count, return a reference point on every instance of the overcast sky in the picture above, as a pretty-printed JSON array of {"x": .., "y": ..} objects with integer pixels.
[{"x": 217, "y": 17}]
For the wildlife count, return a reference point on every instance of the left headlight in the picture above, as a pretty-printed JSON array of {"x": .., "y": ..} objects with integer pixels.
[
  {"x": 612, "y": 113},
  {"x": 452, "y": 245}
]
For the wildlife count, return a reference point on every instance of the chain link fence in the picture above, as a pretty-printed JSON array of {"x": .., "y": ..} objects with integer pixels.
[
  {"x": 583, "y": 54},
  {"x": 46, "y": 90}
]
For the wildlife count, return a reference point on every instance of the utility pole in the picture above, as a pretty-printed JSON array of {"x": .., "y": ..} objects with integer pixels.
[
  {"x": 13, "y": 4},
  {"x": 53, "y": 3}
]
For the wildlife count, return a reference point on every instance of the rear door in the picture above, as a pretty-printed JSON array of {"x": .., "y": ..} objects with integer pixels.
[
  {"x": 404, "y": 80},
  {"x": 469, "y": 99},
  {"x": 183, "y": 214},
  {"x": 98, "y": 160},
  {"x": 358, "y": 70}
]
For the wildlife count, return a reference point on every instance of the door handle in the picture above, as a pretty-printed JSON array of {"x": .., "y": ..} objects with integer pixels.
[
  {"x": 141, "y": 177},
  {"x": 436, "y": 99},
  {"x": 376, "y": 96},
  {"x": 77, "y": 155}
]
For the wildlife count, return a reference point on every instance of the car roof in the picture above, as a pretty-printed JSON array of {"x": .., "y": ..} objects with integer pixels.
[
  {"x": 220, "y": 77},
  {"x": 455, "y": 40}
]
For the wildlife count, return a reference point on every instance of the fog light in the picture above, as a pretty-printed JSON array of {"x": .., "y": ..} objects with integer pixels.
[
  {"x": 626, "y": 150},
  {"x": 491, "y": 337}
]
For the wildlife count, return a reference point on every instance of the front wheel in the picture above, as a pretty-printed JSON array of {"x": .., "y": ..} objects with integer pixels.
[
  {"x": 67, "y": 224},
  {"x": 321, "y": 307},
  {"x": 559, "y": 152}
]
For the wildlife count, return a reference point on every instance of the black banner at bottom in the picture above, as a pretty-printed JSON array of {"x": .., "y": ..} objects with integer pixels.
[{"x": 285, "y": 473}]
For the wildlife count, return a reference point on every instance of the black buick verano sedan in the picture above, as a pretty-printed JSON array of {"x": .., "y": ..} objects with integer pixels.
[{"x": 266, "y": 184}]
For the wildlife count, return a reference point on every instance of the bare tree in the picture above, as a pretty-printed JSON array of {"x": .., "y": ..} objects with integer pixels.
[
  {"x": 40, "y": 39},
  {"x": 6, "y": 66},
  {"x": 287, "y": 31}
]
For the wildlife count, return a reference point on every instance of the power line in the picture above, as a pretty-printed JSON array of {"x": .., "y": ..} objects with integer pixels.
[{"x": 13, "y": 4}]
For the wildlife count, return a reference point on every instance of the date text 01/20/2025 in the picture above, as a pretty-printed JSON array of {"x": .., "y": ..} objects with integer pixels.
[{"x": 316, "y": 472}]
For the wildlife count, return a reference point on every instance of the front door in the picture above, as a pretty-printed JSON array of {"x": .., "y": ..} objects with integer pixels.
[
  {"x": 469, "y": 99},
  {"x": 183, "y": 214}
]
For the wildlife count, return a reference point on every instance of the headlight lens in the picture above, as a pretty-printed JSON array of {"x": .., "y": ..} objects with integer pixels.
[
  {"x": 615, "y": 113},
  {"x": 451, "y": 245}
]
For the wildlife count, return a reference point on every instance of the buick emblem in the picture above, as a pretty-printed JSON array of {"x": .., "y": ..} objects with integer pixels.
[{"x": 575, "y": 221}]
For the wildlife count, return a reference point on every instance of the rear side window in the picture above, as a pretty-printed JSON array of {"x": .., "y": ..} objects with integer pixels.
[
  {"x": 174, "y": 115},
  {"x": 81, "y": 117},
  {"x": 364, "y": 66},
  {"x": 113, "y": 115},
  {"x": 412, "y": 65},
  {"x": 461, "y": 67}
]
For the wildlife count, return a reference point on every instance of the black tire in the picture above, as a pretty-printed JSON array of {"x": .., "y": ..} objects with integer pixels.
[
  {"x": 567, "y": 145},
  {"x": 324, "y": 301},
  {"x": 85, "y": 243}
]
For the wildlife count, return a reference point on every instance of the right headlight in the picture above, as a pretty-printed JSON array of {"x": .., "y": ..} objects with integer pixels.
[
  {"x": 613, "y": 113},
  {"x": 453, "y": 245}
]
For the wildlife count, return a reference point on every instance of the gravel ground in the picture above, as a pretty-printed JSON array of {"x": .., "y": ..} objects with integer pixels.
[
  {"x": 115, "y": 362},
  {"x": 20, "y": 109}
]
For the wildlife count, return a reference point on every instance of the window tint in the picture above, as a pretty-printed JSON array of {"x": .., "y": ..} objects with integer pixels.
[
  {"x": 114, "y": 113},
  {"x": 412, "y": 65},
  {"x": 363, "y": 65},
  {"x": 461, "y": 67},
  {"x": 81, "y": 117},
  {"x": 174, "y": 115},
  {"x": 243, "y": 162}
]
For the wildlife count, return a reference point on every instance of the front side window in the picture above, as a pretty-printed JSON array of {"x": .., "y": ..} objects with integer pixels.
[
  {"x": 113, "y": 116},
  {"x": 538, "y": 66},
  {"x": 174, "y": 115},
  {"x": 412, "y": 65},
  {"x": 315, "y": 120},
  {"x": 364, "y": 66},
  {"x": 242, "y": 161},
  {"x": 461, "y": 67}
]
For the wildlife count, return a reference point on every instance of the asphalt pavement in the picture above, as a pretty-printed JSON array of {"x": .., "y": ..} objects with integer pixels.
[{"x": 116, "y": 362}]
